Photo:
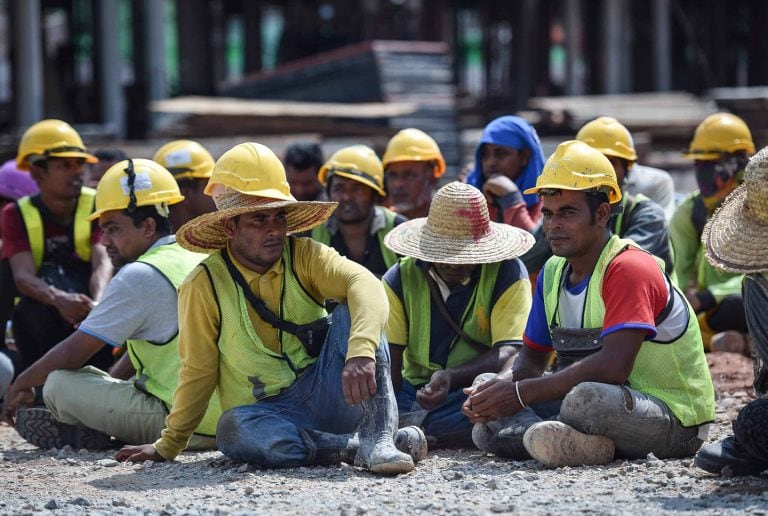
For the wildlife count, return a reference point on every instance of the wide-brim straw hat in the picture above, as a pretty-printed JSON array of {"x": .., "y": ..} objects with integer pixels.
[
  {"x": 205, "y": 233},
  {"x": 458, "y": 231},
  {"x": 736, "y": 237}
]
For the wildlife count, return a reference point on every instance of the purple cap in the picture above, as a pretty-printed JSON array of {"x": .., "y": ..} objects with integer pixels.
[{"x": 15, "y": 183}]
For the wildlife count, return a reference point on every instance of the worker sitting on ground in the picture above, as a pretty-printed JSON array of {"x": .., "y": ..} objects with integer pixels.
[
  {"x": 295, "y": 386},
  {"x": 457, "y": 308},
  {"x": 631, "y": 374},
  {"x": 85, "y": 405}
]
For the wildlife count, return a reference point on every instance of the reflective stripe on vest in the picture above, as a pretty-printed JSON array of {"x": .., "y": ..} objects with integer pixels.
[
  {"x": 248, "y": 370},
  {"x": 675, "y": 372},
  {"x": 475, "y": 321},
  {"x": 82, "y": 226},
  {"x": 321, "y": 234},
  {"x": 157, "y": 364}
]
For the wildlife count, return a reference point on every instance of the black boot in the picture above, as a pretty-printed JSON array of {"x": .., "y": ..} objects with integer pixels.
[
  {"x": 326, "y": 448},
  {"x": 377, "y": 429},
  {"x": 728, "y": 457}
]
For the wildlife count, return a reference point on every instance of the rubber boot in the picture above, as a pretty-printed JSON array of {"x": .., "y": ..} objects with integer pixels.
[{"x": 377, "y": 451}]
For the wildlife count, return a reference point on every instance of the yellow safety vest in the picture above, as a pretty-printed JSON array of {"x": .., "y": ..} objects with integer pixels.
[
  {"x": 82, "y": 231},
  {"x": 675, "y": 372}
]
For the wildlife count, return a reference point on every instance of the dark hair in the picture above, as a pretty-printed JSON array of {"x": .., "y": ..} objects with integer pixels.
[
  {"x": 142, "y": 213},
  {"x": 111, "y": 154},
  {"x": 303, "y": 155},
  {"x": 594, "y": 200}
]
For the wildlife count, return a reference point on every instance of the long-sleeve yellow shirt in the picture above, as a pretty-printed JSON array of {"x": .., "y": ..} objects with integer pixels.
[{"x": 323, "y": 273}]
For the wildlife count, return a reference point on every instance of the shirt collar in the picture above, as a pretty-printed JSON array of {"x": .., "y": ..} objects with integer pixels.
[
  {"x": 168, "y": 239},
  {"x": 251, "y": 275}
]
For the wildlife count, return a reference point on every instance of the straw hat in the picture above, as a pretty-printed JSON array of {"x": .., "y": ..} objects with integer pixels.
[
  {"x": 247, "y": 178},
  {"x": 736, "y": 237},
  {"x": 458, "y": 231}
]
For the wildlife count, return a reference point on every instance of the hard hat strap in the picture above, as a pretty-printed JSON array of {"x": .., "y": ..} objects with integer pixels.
[{"x": 59, "y": 150}]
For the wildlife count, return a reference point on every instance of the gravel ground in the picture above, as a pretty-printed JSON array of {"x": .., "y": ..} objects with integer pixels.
[{"x": 448, "y": 481}]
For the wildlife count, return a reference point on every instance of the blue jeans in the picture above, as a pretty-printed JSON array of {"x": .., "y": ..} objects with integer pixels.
[
  {"x": 272, "y": 432},
  {"x": 446, "y": 423}
]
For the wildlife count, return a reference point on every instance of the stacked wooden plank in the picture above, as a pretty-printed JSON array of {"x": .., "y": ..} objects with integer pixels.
[{"x": 371, "y": 89}]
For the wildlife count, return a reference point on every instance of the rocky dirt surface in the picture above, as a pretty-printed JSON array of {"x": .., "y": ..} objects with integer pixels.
[{"x": 448, "y": 481}]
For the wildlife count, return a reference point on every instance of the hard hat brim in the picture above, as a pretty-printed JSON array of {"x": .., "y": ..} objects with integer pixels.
[
  {"x": 359, "y": 179},
  {"x": 703, "y": 156},
  {"x": 613, "y": 197}
]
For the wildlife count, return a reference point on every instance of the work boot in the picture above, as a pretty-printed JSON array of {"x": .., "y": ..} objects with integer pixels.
[
  {"x": 38, "y": 426},
  {"x": 504, "y": 437},
  {"x": 556, "y": 444},
  {"x": 411, "y": 440},
  {"x": 377, "y": 451},
  {"x": 728, "y": 457}
]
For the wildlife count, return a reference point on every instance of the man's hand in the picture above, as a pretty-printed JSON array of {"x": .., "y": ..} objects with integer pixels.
[
  {"x": 358, "y": 379},
  {"x": 436, "y": 391},
  {"x": 498, "y": 186},
  {"x": 14, "y": 398},
  {"x": 73, "y": 307},
  {"x": 138, "y": 454},
  {"x": 491, "y": 400}
]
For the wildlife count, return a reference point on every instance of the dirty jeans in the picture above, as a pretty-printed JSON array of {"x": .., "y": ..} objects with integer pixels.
[
  {"x": 445, "y": 423},
  {"x": 272, "y": 432},
  {"x": 637, "y": 423},
  {"x": 92, "y": 398}
]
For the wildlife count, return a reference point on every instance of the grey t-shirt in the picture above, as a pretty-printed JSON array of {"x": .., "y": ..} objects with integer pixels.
[{"x": 138, "y": 303}]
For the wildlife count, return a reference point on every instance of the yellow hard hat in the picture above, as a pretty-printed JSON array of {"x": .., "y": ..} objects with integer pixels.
[
  {"x": 132, "y": 183},
  {"x": 414, "y": 145},
  {"x": 252, "y": 169},
  {"x": 51, "y": 138},
  {"x": 718, "y": 134},
  {"x": 608, "y": 136},
  {"x": 357, "y": 162},
  {"x": 185, "y": 159},
  {"x": 577, "y": 166}
]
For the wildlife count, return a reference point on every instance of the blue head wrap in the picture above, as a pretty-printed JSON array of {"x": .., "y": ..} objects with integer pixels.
[{"x": 516, "y": 133}]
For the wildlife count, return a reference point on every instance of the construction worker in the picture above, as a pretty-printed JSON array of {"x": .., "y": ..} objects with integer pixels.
[
  {"x": 293, "y": 385},
  {"x": 86, "y": 406},
  {"x": 508, "y": 160},
  {"x": 631, "y": 374},
  {"x": 59, "y": 267},
  {"x": 640, "y": 220},
  {"x": 412, "y": 164},
  {"x": 735, "y": 239},
  {"x": 458, "y": 304},
  {"x": 191, "y": 165},
  {"x": 721, "y": 147},
  {"x": 302, "y": 163},
  {"x": 354, "y": 178},
  {"x": 14, "y": 184}
]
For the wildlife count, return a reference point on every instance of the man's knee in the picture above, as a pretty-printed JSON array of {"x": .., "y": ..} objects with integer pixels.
[
  {"x": 266, "y": 440},
  {"x": 589, "y": 401}
]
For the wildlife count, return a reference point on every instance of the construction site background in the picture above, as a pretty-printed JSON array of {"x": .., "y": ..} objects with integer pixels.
[{"x": 135, "y": 73}]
